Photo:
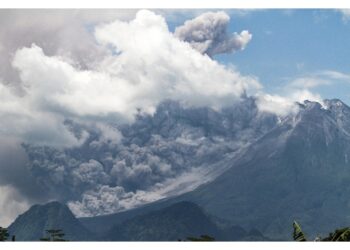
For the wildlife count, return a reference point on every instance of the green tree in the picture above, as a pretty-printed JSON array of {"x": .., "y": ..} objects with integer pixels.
[
  {"x": 54, "y": 235},
  {"x": 298, "y": 234},
  {"x": 3, "y": 234}
]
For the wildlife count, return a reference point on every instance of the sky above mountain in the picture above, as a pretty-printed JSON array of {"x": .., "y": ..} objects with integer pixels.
[
  {"x": 97, "y": 67},
  {"x": 293, "y": 48}
]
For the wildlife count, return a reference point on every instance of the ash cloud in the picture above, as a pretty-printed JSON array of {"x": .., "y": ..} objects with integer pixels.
[
  {"x": 111, "y": 177},
  {"x": 155, "y": 157},
  {"x": 208, "y": 34}
]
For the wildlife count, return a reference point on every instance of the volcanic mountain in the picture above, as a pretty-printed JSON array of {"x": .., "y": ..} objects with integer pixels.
[
  {"x": 32, "y": 225},
  {"x": 265, "y": 170},
  {"x": 297, "y": 171}
]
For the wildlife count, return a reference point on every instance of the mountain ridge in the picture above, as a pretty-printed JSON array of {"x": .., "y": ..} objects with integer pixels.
[
  {"x": 32, "y": 224},
  {"x": 171, "y": 223},
  {"x": 297, "y": 170}
]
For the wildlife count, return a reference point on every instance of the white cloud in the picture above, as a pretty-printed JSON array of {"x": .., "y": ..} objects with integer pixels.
[
  {"x": 285, "y": 105},
  {"x": 151, "y": 65},
  {"x": 11, "y": 204},
  {"x": 58, "y": 32},
  {"x": 308, "y": 82},
  {"x": 319, "y": 78},
  {"x": 299, "y": 90},
  {"x": 304, "y": 94},
  {"x": 336, "y": 75},
  {"x": 275, "y": 104},
  {"x": 22, "y": 119},
  {"x": 345, "y": 14},
  {"x": 207, "y": 33}
]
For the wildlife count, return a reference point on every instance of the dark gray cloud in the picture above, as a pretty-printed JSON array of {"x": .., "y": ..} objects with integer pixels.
[
  {"x": 167, "y": 153},
  {"x": 18, "y": 187},
  {"x": 207, "y": 33},
  {"x": 111, "y": 173},
  {"x": 13, "y": 167}
]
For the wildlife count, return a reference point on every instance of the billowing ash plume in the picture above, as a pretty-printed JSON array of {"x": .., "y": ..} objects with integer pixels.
[
  {"x": 167, "y": 153},
  {"x": 207, "y": 33}
]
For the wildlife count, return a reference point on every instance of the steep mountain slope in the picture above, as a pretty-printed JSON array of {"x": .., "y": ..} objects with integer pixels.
[
  {"x": 31, "y": 225},
  {"x": 169, "y": 224},
  {"x": 299, "y": 170},
  {"x": 100, "y": 225},
  {"x": 176, "y": 222}
]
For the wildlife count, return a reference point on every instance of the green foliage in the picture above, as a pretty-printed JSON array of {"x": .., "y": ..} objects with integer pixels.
[
  {"x": 201, "y": 238},
  {"x": 54, "y": 235},
  {"x": 3, "y": 234},
  {"x": 342, "y": 234},
  {"x": 298, "y": 234}
]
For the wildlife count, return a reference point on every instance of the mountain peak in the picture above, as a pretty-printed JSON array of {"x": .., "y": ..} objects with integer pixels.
[
  {"x": 32, "y": 224},
  {"x": 312, "y": 104},
  {"x": 51, "y": 204},
  {"x": 336, "y": 105},
  {"x": 334, "y": 101}
]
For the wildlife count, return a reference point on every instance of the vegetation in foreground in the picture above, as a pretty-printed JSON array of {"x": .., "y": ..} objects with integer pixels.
[
  {"x": 3, "y": 234},
  {"x": 342, "y": 234},
  {"x": 51, "y": 235},
  {"x": 54, "y": 235}
]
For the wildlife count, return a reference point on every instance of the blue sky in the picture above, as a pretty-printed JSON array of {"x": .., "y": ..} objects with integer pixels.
[{"x": 292, "y": 44}]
